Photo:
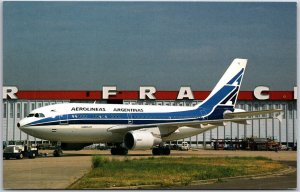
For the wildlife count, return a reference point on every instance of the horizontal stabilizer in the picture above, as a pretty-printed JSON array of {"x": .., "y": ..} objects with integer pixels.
[
  {"x": 250, "y": 113},
  {"x": 244, "y": 122}
]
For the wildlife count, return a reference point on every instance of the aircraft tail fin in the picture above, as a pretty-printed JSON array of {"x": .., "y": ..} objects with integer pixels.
[{"x": 226, "y": 91}]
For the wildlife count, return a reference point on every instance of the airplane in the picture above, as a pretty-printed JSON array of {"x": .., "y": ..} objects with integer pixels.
[{"x": 135, "y": 127}]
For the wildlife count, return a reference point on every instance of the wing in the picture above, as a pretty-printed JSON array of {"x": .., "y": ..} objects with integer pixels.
[{"x": 238, "y": 117}]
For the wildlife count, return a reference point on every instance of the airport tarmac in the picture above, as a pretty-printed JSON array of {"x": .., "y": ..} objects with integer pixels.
[
  {"x": 279, "y": 181},
  {"x": 59, "y": 172}
]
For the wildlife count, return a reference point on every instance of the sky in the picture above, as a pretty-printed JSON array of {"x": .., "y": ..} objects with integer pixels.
[{"x": 87, "y": 45}]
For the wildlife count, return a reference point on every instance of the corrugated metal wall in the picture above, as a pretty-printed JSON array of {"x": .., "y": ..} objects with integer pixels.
[{"x": 286, "y": 131}]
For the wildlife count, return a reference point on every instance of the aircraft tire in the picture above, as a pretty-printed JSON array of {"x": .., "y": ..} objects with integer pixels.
[
  {"x": 119, "y": 151},
  {"x": 156, "y": 151},
  {"x": 57, "y": 153},
  {"x": 123, "y": 151},
  {"x": 113, "y": 151},
  {"x": 161, "y": 151},
  {"x": 166, "y": 151}
]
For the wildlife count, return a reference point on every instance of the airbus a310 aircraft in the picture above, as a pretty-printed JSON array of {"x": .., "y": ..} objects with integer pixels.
[{"x": 76, "y": 125}]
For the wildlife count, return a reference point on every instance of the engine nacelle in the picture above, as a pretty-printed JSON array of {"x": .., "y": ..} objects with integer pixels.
[{"x": 140, "y": 140}]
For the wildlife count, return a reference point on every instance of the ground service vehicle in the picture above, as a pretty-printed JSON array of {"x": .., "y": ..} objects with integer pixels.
[
  {"x": 19, "y": 152},
  {"x": 184, "y": 146}
]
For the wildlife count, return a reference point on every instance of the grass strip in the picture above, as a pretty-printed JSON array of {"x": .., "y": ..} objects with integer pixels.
[{"x": 168, "y": 171}]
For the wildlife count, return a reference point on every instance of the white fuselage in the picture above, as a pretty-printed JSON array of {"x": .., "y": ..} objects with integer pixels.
[{"x": 90, "y": 123}]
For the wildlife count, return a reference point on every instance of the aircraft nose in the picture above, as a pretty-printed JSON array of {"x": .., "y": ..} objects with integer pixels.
[{"x": 21, "y": 124}]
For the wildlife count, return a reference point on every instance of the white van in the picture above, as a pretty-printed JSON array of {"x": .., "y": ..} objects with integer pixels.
[{"x": 184, "y": 146}]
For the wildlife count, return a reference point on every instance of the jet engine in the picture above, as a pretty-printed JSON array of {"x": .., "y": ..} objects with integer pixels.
[{"x": 140, "y": 140}]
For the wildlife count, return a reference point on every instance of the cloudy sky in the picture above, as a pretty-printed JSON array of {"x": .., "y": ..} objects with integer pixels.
[{"x": 87, "y": 45}]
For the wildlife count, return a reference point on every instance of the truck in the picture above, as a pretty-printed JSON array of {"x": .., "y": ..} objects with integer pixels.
[{"x": 20, "y": 151}]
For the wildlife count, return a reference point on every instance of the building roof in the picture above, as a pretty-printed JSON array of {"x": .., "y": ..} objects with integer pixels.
[{"x": 134, "y": 95}]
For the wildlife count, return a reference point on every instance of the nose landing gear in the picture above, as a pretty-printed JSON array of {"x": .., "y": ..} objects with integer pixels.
[{"x": 57, "y": 152}]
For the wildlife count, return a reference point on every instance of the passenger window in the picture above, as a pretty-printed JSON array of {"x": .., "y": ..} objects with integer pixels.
[{"x": 36, "y": 115}]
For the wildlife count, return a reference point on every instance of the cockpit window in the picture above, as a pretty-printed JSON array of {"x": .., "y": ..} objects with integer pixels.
[
  {"x": 39, "y": 115},
  {"x": 36, "y": 115},
  {"x": 30, "y": 115}
]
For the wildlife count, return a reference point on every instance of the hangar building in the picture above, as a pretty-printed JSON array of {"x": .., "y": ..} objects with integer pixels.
[{"x": 21, "y": 103}]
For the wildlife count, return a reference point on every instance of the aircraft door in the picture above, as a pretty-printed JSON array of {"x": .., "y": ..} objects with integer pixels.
[
  {"x": 63, "y": 119},
  {"x": 130, "y": 121}
]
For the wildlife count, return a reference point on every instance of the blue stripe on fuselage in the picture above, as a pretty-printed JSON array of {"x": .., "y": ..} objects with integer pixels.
[{"x": 121, "y": 118}]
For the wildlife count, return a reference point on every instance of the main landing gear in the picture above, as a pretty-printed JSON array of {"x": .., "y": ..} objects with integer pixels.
[
  {"x": 57, "y": 151},
  {"x": 118, "y": 150},
  {"x": 161, "y": 150}
]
